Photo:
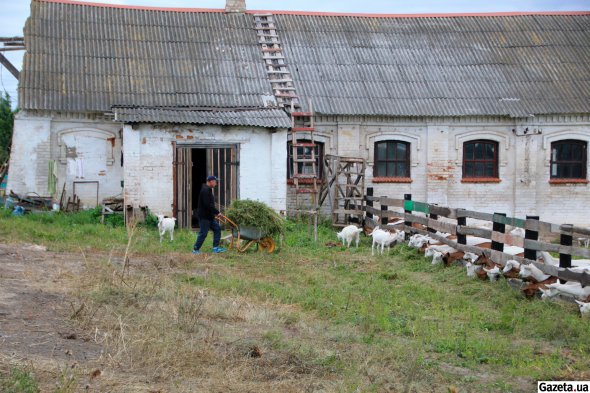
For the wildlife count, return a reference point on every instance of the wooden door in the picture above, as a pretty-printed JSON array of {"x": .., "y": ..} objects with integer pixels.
[
  {"x": 183, "y": 187},
  {"x": 223, "y": 163}
]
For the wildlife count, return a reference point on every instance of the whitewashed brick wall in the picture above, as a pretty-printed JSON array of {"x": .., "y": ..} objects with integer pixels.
[
  {"x": 39, "y": 139},
  {"x": 436, "y": 169},
  {"x": 148, "y": 155}
]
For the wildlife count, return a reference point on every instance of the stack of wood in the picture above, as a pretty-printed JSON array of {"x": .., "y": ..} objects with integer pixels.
[
  {"x": 32, "y": 202},
  {"x": 112, "y": 205},
  {"x": 73, "y": 204}
]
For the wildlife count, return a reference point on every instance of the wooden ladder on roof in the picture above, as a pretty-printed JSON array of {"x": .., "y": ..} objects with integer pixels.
[
  {"x": 305, "y": 167},
  {"x": 276, "y": 67}
]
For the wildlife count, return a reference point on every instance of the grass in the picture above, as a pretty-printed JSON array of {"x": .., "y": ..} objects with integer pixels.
[
  {"x": 311, "y": 314},
  {"x": 18, "y": 381}
]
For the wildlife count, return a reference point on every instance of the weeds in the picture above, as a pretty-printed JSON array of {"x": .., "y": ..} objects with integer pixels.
[
  {"x": 19, "y": 381},
  {"x": 189, "y": 309}
]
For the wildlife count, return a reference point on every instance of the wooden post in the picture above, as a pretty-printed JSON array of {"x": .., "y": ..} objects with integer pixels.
[
  {"x": 497, "y": 227},
  {"x": 433, "y": 217},
  {"x": 461, "y": 221},
  {"x": 369, "y": 202},
  {"x": 565, "y": 260},
  {"x": 383, "y": 209},
  {"x": 407, "y": 197},
  {"x": 531, "y": 235}
]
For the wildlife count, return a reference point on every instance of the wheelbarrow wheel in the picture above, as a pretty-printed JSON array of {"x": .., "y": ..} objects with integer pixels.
[{"x": 267, "y": 244}]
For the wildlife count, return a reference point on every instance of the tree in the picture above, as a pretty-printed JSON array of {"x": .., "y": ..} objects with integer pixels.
[{"x": 6, "y": 124}]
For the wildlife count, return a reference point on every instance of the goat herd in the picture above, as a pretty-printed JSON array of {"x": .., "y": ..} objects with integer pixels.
[{"x": 534, "y": 280}]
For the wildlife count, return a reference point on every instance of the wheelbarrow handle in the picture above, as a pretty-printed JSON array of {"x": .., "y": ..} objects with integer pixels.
[{"x": 226, "y": 220}]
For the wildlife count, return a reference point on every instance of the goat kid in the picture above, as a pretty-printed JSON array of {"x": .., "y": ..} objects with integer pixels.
[
  {"x": 492, "y": 274},
  {"x": 166, "y": 224},
  {"x": 384, "y": 238},
  {"x": 531, "y": 271},
  {"x": 571, "y": 288},
  {"x": 584, "y": 309},
  {"x": 348, "y": 234}
]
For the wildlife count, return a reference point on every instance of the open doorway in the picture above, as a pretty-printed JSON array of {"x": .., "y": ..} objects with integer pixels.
[
  {"x": 192, "y": 166},
  {"x": 199, "y": 175}
]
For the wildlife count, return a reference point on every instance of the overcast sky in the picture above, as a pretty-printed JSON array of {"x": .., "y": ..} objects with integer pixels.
[{"x": 15, "y": 12}]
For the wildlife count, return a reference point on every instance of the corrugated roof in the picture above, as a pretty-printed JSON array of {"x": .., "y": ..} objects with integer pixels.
[
  {"x": 269, "y": 118},
  {"x": 89, "y": 58},
  {"x": 514, "y": 65}
]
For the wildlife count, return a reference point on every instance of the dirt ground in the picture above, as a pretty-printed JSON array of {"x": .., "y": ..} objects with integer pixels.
[
  {"x": 35, "y": 326},
  {"x": 38, "y": 332}
]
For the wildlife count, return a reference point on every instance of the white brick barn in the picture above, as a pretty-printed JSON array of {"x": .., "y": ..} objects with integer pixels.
[{"x": 489, "y": 112}]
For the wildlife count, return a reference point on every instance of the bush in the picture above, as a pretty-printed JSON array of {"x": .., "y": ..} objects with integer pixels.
[
  {"x": 256, "y": 214},
  {"x": 151, "y": 220}
]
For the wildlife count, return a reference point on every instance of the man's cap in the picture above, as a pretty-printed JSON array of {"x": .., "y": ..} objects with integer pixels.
[{"x": 209, "y": 178}]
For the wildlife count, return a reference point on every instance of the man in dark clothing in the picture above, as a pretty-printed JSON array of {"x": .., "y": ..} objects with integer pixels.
[{"x": 207, "y": 213}]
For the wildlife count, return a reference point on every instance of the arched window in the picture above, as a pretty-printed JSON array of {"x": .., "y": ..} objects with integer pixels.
[
  {"x": 304, "y": 150},
  {"x": 480, "y": 159},
  {"x": 392, "y": 159},
  {"x": 568, "y": 159}
]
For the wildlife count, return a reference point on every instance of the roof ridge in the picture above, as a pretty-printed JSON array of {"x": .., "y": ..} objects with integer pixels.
[{"x": 318, "y": 13}]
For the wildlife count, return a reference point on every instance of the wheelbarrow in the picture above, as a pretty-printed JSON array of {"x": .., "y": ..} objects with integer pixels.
[{"x": 251, "y": 235}]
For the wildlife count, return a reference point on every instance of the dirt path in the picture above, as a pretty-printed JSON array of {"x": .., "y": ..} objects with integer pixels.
[{"x": 35, "y": 325}]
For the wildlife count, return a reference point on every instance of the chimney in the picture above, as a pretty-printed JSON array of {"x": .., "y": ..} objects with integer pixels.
[{"x": 235, "y": 6}]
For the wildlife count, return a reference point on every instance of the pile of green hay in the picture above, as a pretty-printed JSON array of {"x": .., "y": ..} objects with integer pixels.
[{"x": 248, "y": 213}]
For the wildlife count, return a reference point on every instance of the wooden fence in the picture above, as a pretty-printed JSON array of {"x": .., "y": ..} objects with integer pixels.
[{"x": 433, "y": 218}]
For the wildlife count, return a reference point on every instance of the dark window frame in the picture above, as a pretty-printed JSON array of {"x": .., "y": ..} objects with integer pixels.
[
  {"x": 319, "y": 158},
  {"x": 583, "y": 162},
  {"x": 392, "y": 144},
  {"x": 495, "y": 160}
]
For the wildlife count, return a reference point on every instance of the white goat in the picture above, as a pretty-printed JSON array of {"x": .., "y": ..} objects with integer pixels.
[
  {"x": 166, "y": 224},
  {"x": 472, "y": 269},
  {"x": 574, "y": 289},
  {"x": 348, "y": 234},
  {"x": 527, "y": 271},
  {"x": 417, "y": 240},
  {"x": 437, "y": 258},
  {"x": 492, "y": 273},
  {"x": 511, "y": 264},
  {"x": 577, "y": 264},
  {"x": 548, "y": 293},
  {"x": 383, "y": 238},
  {"x": 517, "y": 232},
  {"x": 584, "y": 309},
  {"x": 471, "y": 257}
]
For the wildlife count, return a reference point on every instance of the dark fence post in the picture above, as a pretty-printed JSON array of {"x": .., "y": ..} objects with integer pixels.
[
  {"x": 407, "y": 197},
  {"x": 531, "y": 235},
  {"x": 461, "y": 221},
  {"x": 384, "y": 218},
  {"x": 369, "y": 202},
  {"x": 501, "y": 228},
  {"x": 433, "y": 217},
  {"x": 565, "y": 260}
]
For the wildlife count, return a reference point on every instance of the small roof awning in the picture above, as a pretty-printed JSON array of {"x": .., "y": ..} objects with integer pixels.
[{"x": 267, "y": 118}]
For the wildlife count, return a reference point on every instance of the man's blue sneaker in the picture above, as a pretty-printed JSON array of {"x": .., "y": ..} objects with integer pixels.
[
  {"x": 217, "y": 250},
  {"x": 196, "y": 252}
]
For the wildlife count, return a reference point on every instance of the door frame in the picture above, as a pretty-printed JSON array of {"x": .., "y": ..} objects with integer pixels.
[{"x": 176, "y": 146}]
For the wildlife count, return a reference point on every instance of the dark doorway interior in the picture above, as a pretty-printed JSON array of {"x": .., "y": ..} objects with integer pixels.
[
  {"x": 192, "y": 165},
  {"x": 199, "y": 176}
]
